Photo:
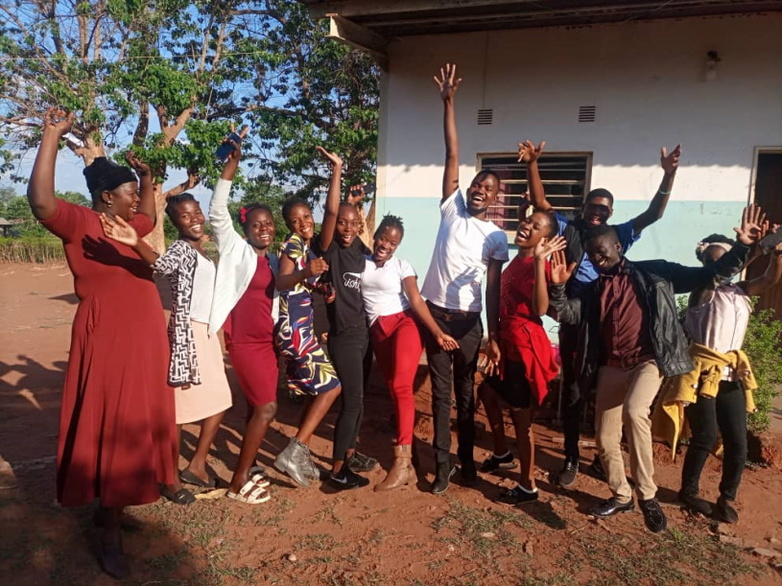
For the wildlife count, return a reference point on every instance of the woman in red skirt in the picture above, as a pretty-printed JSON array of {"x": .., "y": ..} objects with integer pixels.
[{"x": 117, "y": 430}]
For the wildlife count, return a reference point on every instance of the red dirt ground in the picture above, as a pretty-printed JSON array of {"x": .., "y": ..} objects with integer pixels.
[{"x": 316, "y": 536}]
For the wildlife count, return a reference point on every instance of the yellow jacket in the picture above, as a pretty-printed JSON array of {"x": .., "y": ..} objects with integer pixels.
[{"x": 678, "y": 391}]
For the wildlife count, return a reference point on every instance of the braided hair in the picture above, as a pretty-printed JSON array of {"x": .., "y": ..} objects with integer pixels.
[{"x": 390, "y": 221}]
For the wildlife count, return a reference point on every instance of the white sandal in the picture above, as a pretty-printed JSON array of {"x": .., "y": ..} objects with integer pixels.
[
  {"x": 258, "y": 476},
  {"x": 250, "y": 493}
]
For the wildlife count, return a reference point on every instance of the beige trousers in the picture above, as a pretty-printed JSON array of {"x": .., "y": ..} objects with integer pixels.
[{"x": 624, "y": 399}]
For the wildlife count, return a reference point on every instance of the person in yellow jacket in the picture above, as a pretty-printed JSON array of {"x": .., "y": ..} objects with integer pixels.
[{"x": 717, "y": 395}]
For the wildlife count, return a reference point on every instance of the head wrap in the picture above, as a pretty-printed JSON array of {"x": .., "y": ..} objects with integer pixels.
[
  {"x": 104, "y": 175},
  {"x": 702, "y": 246}
]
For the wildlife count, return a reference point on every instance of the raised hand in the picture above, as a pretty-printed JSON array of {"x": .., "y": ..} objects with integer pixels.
[
  {"x": 670, "y": 161},
  {"x": 447, "y": 82},
  {"x": 751, "y": 230},
  {"x": 332, "y": 157},
  {"x": 560, "y": 270},
  {"x": 139, "y": 166},
  {"x": 528, "y": 152},
  {"x": 57, "y": 121},
  {"x": 118, "y": 229},
  {"x": 317, "y": 266},
  {"x": 548, "y": 246},
  {"x": 355, "y": 194}
]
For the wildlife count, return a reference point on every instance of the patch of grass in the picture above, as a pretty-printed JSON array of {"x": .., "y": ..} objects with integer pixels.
[
  {"x": 318, "y": 542},
  {"x": 377, "y": 537},
  {"x": 167, "y": 563}
]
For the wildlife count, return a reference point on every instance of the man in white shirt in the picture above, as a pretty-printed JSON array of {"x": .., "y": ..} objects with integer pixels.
[{"x": 467, "y": 246}]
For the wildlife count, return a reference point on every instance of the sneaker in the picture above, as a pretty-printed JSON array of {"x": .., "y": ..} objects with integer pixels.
[
  {"x": 468, "y": 474},
  {"x": 596, "y": 469},
  {"x": 653, "y": 515},
  {"x": 694, "y": 504},
  {"x": 294, "y": 461},
  {"x": 359, "y": 462},
  {"x": 611, "y": 507},
  {"x": 346, "y": 479},
  {"x": 567, "y": 476},
  {"x": 494, "y": 463},
  {"x": 443, "y": 479},
  {"x": 725, "y": 511},
  {"x": 517, "y": 495}
]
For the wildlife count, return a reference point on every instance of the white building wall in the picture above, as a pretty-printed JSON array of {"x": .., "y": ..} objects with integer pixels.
[{"x": 648, "y": 82}]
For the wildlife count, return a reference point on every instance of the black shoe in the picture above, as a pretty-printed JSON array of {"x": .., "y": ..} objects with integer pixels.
[
  {"x": 694, "y": 504},
  {"x": 493, "y": 463},
  {"x": 725, "y": 512},
  {"x": 443, "y": 479},
  {"x": 346, "y": 479},
  {"x": 596, "y": 469},
  {"x": 611, "y": 507},
  {"x": 468, "y": 474},
  {"x": 653, "y": 515},
  {"x": 359, "y": 462},
  {"x": 567, "y": 476},
  {"x": 517, "y": 496}
]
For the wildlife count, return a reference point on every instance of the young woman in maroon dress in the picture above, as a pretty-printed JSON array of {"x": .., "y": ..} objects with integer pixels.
[{"x": 117, "y": 430}]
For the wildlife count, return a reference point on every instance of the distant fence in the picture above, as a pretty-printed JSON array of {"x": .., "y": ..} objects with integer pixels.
[{"x": 36, "y": 250}]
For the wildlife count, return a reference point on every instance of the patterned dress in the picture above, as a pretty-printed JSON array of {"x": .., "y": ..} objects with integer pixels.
[{"x": 307, "y": 367}]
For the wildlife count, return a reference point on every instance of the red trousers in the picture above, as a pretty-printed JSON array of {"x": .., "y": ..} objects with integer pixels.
[{"x": 397, "y": 343}]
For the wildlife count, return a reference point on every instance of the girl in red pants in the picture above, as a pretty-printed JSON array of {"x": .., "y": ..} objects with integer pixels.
[{"x": 391, "y": 300}]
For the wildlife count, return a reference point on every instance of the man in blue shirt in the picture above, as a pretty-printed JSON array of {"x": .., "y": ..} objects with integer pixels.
[{"x": 598, "y": 208}]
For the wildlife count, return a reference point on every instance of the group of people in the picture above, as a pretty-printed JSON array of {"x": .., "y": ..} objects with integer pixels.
[{"x": 129, "y": 387}]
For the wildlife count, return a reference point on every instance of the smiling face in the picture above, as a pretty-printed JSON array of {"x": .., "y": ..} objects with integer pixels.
[
  {"x": 123, "y": 200},
  {"x": 386, "y": 243},
  {"x": 533, "y": 229},
  {"x": 300, "y": 221},
  {"x": 597, "y": 210},
  {"x": 604, "y": 252},
  {"x": 259, "y": 228},
  {"x": 482, "y": 193},
  {"x": 348, "y": 224},
  {"x": 188, "y": 219}
]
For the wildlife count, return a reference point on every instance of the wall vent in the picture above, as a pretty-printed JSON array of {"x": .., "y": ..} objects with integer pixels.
[
  {"x": 586, "y": 113},
  {"x": 485, "y": 116}
]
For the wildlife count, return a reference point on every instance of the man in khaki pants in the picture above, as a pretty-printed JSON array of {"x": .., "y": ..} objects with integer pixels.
[{"x": 629, "y": 338}]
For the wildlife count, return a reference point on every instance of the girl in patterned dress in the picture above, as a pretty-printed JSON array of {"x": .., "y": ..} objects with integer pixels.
[{"x": 308, "y": 369}]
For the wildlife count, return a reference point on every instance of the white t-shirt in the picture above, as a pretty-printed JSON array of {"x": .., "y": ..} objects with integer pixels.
[
  {"x": 381, "y": 287},
  {"x": 203, "y": 290},
  {"x": 461, "y": 256}
]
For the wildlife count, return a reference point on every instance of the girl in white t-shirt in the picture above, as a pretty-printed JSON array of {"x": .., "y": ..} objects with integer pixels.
[{"x": 392, "y": 300}]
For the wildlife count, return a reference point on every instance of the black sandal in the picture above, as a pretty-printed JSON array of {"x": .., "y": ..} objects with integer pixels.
[
  {"x": 180, "y": 497},
  {"x": 190, "y": 478}
]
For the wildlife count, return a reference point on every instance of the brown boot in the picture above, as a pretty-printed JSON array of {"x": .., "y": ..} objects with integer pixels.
[{"x": 401, "y": 472}]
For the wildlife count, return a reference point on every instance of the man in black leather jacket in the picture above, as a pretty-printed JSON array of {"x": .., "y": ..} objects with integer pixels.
[{"x": 629, "y": 338}]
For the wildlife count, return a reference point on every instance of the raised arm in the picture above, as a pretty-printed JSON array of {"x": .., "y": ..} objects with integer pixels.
[
  {"x": 529, "y": 154},
  {"x": 329, "y": 225},
  {"x": 40, "y": 191},
  {"x": 421, "y": 311},
  {"x": 355, "y": 195},
  {"x": 219, "y": 217},
  {"x": 448, "y": 84},
  {"x": 146, "y": 186},
  {"x": 669, "y": 163},
  {"x": 568, "y": 310},
  {"x": 118, "y": 229},
  {"x": 545, "y": 248},
  {"x": 769, "y": 278}
]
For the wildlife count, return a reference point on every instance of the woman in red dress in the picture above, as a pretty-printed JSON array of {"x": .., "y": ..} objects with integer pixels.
[{"x": 117, "y": 430}]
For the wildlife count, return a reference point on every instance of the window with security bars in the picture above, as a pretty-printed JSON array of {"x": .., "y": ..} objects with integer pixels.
[{"x": 565, "y": 178}]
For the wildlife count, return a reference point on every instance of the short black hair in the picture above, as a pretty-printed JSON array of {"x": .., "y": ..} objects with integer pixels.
[
  {"x": 553, "y": 224},
  {"x": 600, "y": 192},
  {"x": 245, "y": 211},
  {"x": 174, "y": 200},
  {"x": 596, "y": 232},
  {"x": 390, "y": 221},
  {"x": 712, "y": 239},
  {"x": 289, "y": 204},
  {"x": 492, "y": 173}
]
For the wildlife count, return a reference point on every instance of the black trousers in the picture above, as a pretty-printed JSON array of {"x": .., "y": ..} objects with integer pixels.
[
  {"x": 572, "y": 401},
  {"x": 726, "y": 413},
  {"x": 350, "y": 354},
  {"x": 468, "y": 331}
]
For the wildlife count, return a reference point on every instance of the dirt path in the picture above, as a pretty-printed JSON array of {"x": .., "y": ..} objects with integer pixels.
[{"x": 316, "y": 536}]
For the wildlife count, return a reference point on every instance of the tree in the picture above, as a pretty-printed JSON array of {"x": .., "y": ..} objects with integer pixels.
[
  {"x": 167, "y": 76},
  {"x": 7, "y": 193}
]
